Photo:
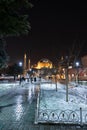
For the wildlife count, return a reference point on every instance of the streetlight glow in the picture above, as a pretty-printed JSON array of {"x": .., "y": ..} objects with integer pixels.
[
  {"x": 20, "y": 64},
  {"x": 77, "y": 64}
]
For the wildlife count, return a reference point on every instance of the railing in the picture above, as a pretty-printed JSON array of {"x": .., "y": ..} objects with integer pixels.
[
  {"x": 56, "y": 116},
  {"x": 62, "y": 117}
]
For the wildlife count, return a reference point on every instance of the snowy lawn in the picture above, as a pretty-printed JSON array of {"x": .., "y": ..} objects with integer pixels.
[{"x": 52, "y": 100}]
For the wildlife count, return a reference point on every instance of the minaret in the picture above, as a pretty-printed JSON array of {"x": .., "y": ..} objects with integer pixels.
[
  {"x": 25, "y": 63},
  {"x": 29, "y": 64}
]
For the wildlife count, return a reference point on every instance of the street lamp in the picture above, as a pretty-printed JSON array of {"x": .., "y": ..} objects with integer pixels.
[
  {"x": 20, "y": 64},
  {"x": 77, "y": 64},
  {"x": 77, "y": 75}
]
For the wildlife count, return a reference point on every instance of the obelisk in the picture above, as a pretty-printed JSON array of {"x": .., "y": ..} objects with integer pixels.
[
  {"x": 29, "y": 64},
  {"x": 25, "y": 67}
]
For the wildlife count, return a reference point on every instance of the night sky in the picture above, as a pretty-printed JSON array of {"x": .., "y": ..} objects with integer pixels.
[{"x": 55, "y": 27}]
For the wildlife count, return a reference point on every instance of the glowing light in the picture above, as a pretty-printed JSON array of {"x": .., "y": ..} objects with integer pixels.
[
  {"x": 77, "y": 64},
  {"x": 20, "y": 63}
]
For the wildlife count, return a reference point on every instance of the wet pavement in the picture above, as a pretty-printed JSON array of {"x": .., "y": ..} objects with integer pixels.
[{"x": 17, "y": 108}]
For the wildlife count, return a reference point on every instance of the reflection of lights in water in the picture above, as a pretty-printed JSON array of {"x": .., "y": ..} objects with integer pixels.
[
  {"x": 19, "y": 108},
  {"x": 33, "y": 89},
  {"x": 30, "y": 93}
]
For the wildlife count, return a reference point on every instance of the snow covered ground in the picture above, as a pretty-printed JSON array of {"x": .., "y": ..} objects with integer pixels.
[
  {"x": 77, "y": 97},
  {"x": 52, "y": 100}
]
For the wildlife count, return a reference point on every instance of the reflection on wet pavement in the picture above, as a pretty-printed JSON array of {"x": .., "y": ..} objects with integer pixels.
[{"x": 17, "y": 109}]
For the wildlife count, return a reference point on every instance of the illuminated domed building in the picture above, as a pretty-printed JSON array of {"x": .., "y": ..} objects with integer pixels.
[
  {"x": 37, "y": 68},
  {"x": 44, "y": 63}
]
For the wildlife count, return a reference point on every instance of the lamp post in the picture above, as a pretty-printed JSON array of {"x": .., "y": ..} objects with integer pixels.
[
  {"x": 77, "y": 75},
  {"x": 66, "y": 76},
  {"x": 67, "y": 80},
  {"x": 20, "y": 65}
]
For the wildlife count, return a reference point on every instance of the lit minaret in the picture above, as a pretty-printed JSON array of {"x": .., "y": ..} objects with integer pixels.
[
  {"x": 25, "y": 63},
  {"x": 29, "y": 64}
]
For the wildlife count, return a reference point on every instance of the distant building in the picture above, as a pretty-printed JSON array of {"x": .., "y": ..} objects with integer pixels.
[
  {"x": 84, "y": 61},
  {"x": 81, "y": 71},
  {"x": 44, "y": 63}
]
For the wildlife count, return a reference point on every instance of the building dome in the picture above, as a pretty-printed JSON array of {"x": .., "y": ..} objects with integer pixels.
[{"x": 44, "y": 63}]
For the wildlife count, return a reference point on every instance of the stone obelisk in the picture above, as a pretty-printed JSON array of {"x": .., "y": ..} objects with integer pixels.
[
  {"x": 25, "y": 67},
  {"x": 29, "y": 64}
]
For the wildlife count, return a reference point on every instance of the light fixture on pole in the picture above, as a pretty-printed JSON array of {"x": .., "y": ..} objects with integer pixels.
[
  {"x": 77, "y": 75},
  {"x": 20, "y": 64}
]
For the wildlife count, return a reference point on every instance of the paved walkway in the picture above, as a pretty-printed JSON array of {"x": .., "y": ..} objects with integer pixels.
[
  {"x": 26, "y": 118},
  {"x": 17, "y": 111},
  {"x": 17, "y": 108}
]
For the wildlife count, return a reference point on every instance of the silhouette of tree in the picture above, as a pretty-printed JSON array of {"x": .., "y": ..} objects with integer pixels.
[{"x": 14, "y": 21}]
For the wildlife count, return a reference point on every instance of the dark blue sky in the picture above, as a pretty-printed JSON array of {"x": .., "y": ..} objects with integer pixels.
[{"x": 55, "y": 27}]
